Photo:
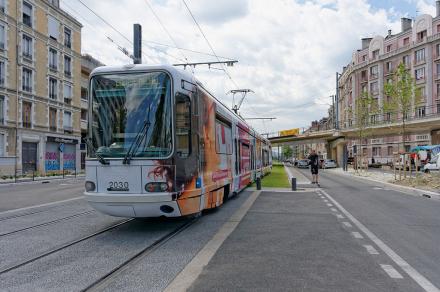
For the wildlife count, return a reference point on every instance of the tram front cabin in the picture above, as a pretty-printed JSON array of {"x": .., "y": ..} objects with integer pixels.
[{"x": 160, "y": 145}]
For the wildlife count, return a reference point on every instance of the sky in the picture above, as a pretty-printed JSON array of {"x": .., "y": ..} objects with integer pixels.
[{"x": 288, "y": 51}]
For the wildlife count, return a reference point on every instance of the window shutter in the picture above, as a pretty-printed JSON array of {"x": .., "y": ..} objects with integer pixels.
[{"x": 54, "y": 27}]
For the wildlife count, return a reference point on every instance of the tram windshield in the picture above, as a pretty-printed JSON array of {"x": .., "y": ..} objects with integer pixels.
[{"x": 131, "y": 109}]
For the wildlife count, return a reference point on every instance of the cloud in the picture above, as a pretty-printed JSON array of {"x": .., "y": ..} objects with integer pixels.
[
  {"x": 425, "y": 8},
  {"x": 288, "y": 51}
]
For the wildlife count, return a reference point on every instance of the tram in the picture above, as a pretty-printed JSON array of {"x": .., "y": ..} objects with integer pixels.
[{"x": 160, "y": 144}]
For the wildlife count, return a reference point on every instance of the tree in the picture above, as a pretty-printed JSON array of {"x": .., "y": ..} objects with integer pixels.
[
  {"x": 402, "y": 94},
  {"x": 287, "y": 152},
  {"x": 365, "y": 107}
]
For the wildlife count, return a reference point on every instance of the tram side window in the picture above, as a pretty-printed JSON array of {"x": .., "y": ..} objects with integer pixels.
[
  {"x": 223, "y": 137},
  {"x": 183, "y": 126}
]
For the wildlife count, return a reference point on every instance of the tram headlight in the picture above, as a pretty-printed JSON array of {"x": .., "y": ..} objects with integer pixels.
[
  {"x": 156, "y": 187},
  {"x": 90, "y": 186}
]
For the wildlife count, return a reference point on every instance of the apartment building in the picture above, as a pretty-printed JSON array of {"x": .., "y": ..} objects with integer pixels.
[
  {"x": 88, "y": 63},
  {"x": 40, "y": 87},
  {"x": 372, "y": 66}
]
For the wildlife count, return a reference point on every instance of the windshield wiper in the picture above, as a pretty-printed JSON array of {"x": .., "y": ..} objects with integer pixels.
[
  {"x": 98, "y": 156},
  {"x": 140, "y": 136}
]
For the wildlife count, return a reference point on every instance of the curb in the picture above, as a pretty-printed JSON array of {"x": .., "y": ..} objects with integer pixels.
[
  {"x": 40, "y": 180},
  {"x": 419, "y": 192}
]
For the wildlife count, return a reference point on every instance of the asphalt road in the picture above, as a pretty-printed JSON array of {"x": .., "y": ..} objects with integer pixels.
[
  {"x": 22, "y": 195},
  {"x": 409, "y": 225}
]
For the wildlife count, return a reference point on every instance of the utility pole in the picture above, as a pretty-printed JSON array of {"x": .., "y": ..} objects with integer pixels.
[
  {"x": 337, "y": 100},
  {"x": 137, "y": 43}
]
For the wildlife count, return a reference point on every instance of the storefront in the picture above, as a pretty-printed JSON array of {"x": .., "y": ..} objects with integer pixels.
[{"x": 60, "y": 154}]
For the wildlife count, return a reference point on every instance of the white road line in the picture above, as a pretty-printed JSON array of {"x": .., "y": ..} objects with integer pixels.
[
  {"x": 357, "y": 235},
  {"x": 329, "y": 205},
  {"x": 371, "y": 249},
  {"x": 339, "y": 216},
  {"x": 391, "y": 271},
  {"x": 347, "y": 224},
  {"x": 326, "y": 201},
  {"x": 413, "y": 273},
  {"x": 42, "y": 205},
  {"x": 192, "y": 271},
  {"x": 334, "y": 210}
]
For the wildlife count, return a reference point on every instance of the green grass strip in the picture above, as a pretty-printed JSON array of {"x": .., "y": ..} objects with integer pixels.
[{"x": 276, "y": 179}]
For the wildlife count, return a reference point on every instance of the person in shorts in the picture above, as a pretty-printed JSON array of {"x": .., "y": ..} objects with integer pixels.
[{"x": 314, "y": 166}]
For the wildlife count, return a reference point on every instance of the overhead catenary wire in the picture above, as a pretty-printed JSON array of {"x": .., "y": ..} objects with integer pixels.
[
  {"x": 164, "y": 28},
  {"x": 209, "y": 44}
]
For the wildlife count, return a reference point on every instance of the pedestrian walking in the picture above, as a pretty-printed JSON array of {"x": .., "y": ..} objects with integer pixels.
[{"x": 314, "y": 166}]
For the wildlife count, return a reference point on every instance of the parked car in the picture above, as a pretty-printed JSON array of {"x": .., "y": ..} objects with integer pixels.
[
  {"x": 303, "y": 163},
  {"x": 432, "y": 165},
  {"x": 330, "y": 163}
]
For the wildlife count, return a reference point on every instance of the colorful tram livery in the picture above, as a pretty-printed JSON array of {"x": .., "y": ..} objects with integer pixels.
[{"x": 161, "y": 145}]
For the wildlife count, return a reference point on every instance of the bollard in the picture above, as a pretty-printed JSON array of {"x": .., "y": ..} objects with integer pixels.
[
  {"x": 258, "y": 183},
  {"x": 293, "y": 183}
]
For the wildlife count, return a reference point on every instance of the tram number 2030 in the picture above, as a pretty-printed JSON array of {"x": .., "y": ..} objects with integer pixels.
[{"x": 118, "y": 186}]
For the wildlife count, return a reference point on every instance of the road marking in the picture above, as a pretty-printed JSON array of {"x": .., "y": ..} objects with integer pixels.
[
  {"x": 42, "y": 205},
  {"x": 194, "y": 268},
  {"x": 391, "y": 271},
  {"x": 326, "y": 201},
  {"x": 377, "y": 188},
  {"x": 371, "y": 249},
  {"x": 329, "y": 205},
  {"x": 413, "y": 273},
  {"x": 347, "y": 224},
  {"x": 339, "y": 216},
  {"x": 334, "y": 210},
  {"x": 357, "y": 235}
]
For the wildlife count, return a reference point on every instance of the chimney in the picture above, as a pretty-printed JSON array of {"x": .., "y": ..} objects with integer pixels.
[
  {"x": 406, "y": 24},
  {"x": 366, "y": 43},
  {"x": 437, "y": 6}
]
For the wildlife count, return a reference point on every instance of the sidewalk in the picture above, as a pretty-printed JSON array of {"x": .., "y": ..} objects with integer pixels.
[{"x": 292, "y": 242}]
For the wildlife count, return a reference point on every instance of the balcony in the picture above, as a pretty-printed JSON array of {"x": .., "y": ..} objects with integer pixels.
[
  {"x": 53, "y": 96},
  {"x": 53, "y": 68},
  {"x": 84, "y": 125},
  {"x": 68, "y": 129},
  {"x": 374, "y": 76},
  {"x": 68, "y": 43},
  {"x": 68, "y": 74},
  {"x": 84, "y": 104},
  {"x": 52, "y": 128},
  {"x": 27, "y": 57}
]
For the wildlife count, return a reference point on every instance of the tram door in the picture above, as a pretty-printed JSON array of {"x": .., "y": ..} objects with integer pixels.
[{"x": 29, "y": 156}]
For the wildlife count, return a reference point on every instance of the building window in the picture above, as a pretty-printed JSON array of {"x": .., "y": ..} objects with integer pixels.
[
  {"x": 364, "y": 75},
  {"x": 389, "y": 66},
  {"x": 67, "y": 122},
  {"x": 374, "y": 71},
  {"x": 364, "y": 58},
  {"x": 389, "y": 48},
  {"x": 419, "y": 55},
  {"x": 2, "y": 6},
  {"x": 53, "y": 59},
  {"x": 2, "y": 37},
  {"x": 438, "y": 108},
  {"x": 374, "y": 87},
  {"x": 373, "y": 119},
  {"x": 376, "y": 151},
  {"x": 422, "y": 93},
  {"x": 27, "y": 80},
  {"x": 390, "y": 150},
  {"x": 437, "y": 50},
  {"x": 27, "y": 48},
  {"x": 53, "y": 27},
  {"x": 53, "y": 119},
  {"x": 421, "y": 112},
  {"x": 27, "y": 114},
  {"x": 421, "y": 36},
  {"x": 437, "y": 66},
  {"x": 406, "y": 41},
  {"x": 67, "y": 66},
  {"x": 53, "y": 88},
  {"x": 406, "y": 60},
  {"x": 375, "y": 54},
  {"x": 84, "y": 93},
  {"x": 84, "y": 115},
  {"x": 2, "y": 73},
  {"x": 27, "y": 14},
  {"x": 364, "y": 89},
  {"x": 2, "y": 109},
  {"x": 67, "y": 37},
  {"x": 420, "y": 73},
  {"x": 67, "y": 92}
]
